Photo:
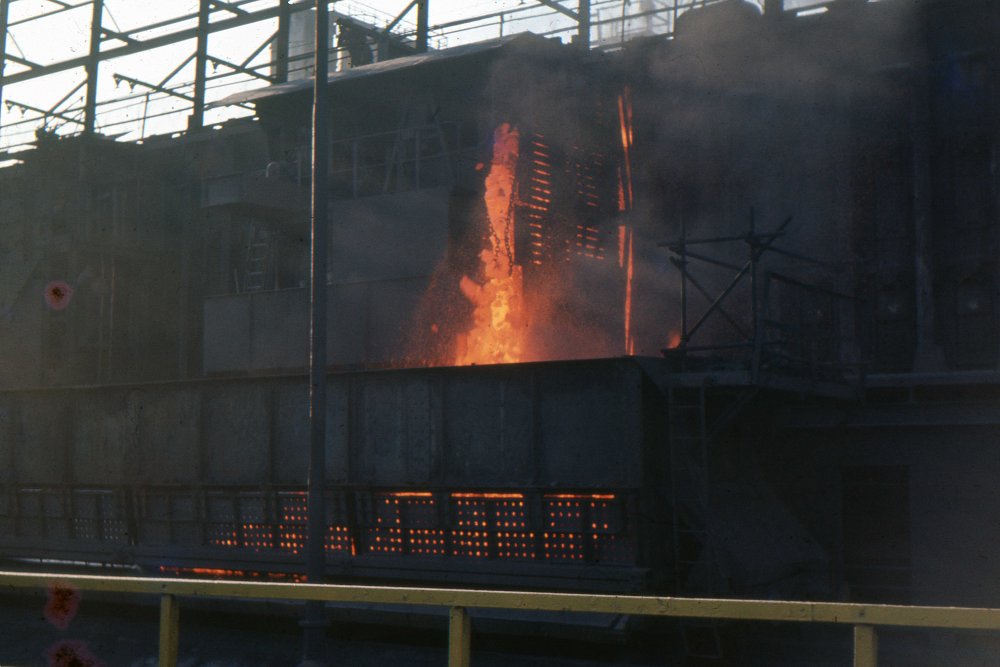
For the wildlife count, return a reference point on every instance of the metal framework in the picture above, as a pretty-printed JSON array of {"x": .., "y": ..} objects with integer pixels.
[
  {"x": 107, "y": 42},
  {"x": 763, "y": 337}
]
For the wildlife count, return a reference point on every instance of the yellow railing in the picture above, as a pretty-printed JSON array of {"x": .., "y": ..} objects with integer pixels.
[{"x": 863, "y": 617}]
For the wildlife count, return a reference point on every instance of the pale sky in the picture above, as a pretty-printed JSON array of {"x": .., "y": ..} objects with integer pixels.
[{"x": 66, "y": 35}]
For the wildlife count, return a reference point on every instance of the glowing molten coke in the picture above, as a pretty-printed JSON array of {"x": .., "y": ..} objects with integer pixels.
[{"x": 499, "y": 327}]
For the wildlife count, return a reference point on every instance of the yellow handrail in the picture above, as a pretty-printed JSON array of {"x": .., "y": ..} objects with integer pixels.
[{"x": 864, "y": 617}]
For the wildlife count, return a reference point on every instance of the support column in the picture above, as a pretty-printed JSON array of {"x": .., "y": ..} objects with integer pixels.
[
  {"x": 423, "y": 22},
  {"x": 93, "y": 63},
  {"x": 281, "y": 43},
  {"x": 314, "y": 625},
  {"x": 197, "y": 118},
  {"x": 169, "y": 631},
  {"x": 583, "y": 36},
  {"x": 459, "y": 638},
  {"x": 4, "y": 12},
  {"x": 865, "y": 646}
]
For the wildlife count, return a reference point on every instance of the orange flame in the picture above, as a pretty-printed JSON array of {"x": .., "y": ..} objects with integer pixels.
[
  {"x": 498, "y": 330},
  {"x": 625, "y": 125},
  {"x": 673, "y": 340},
  {"x": 629, "y": 341}
]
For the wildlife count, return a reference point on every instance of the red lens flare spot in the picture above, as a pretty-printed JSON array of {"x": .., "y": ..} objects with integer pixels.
[
  {"x": 62, "y": 604},
  {"x": 71, "y": 653},
  {"x": 58, "y": 294}
]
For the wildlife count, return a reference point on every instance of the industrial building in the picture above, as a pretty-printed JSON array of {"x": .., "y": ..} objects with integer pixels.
[{"x": 710, "y": 311}]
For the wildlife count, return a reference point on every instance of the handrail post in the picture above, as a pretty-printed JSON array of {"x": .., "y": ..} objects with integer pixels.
[
  {"x": 865, "y": 646},
  {"x": 459, "y": 638},
  {"x": 169, "y": 630}
]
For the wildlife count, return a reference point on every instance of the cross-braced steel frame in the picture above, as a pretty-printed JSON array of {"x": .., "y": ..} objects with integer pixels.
[{"x": 410, "y": 28}]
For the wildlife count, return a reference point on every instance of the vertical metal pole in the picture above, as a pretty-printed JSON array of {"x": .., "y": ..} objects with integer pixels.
[
  {"x": 423, "y": 23},
  {"x": 865, "y": 646},
  {"x": 169, "y": 631},
  {"x": 281, "y": 43},
  {"x": 583, "y": 36},
  {"x": 313, "y": 624},
  {"x": 4, "y": 12},
  {"x": 93, "y": 63},
  {"x": 197, "y": 119},
  {"x": 684, "y": 284},
  {"x": 459, "y": 638}
]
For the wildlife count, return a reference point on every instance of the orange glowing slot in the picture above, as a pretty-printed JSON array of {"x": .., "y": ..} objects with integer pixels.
[
  {"x": 411, "y": 494},
  {"x": 508, "y": 496},
  {"x": 580, "y": 496}
]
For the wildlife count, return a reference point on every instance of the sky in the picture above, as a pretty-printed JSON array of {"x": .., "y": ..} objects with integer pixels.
[
  {"x": 64, "y": 35},
  {"x": 134, "y": 112}
]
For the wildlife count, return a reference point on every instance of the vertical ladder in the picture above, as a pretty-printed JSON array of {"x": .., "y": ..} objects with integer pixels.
[
  {"x": 696, "y": 568},
  {"x": 258, "y": 261},
  {"x": 698, "y": 571}
]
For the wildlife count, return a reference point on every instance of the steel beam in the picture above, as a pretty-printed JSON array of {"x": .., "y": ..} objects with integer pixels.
[
  {"x": 229, "y": 7},
  {"x": 4, "y": 14},
  {"x": 559, "y": 8},
  {"x": 152, "y": 86},
  {"x": 197, "y": 119},
  {"x": 281, "y": 43},
  {"x": 423, "y": 21},
  {"x": 399, "y": 17},
  {"x": 93, "y": 65},
  {"x": 583, "y": 22},
  {"x": 44, "y": 112},
  {"x": 154, "y": 42},
  {"x": 114, "y": 34},
  {"x": 22, "y": 61},
  {"x": 241, "y": 69}
]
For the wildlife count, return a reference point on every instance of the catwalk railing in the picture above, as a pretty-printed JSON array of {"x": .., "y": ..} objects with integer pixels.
[{"x": 864, "y": 618}]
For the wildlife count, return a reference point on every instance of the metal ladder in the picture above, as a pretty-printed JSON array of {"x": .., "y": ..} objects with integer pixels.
[
  {"x": 696, "y": 567},
  {"x": 258, "y": 261},
  {"x": 698, "y": 570}
]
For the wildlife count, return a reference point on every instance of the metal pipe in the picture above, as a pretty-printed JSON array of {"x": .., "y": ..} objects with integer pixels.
[{"x": 313, "y": 624}]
